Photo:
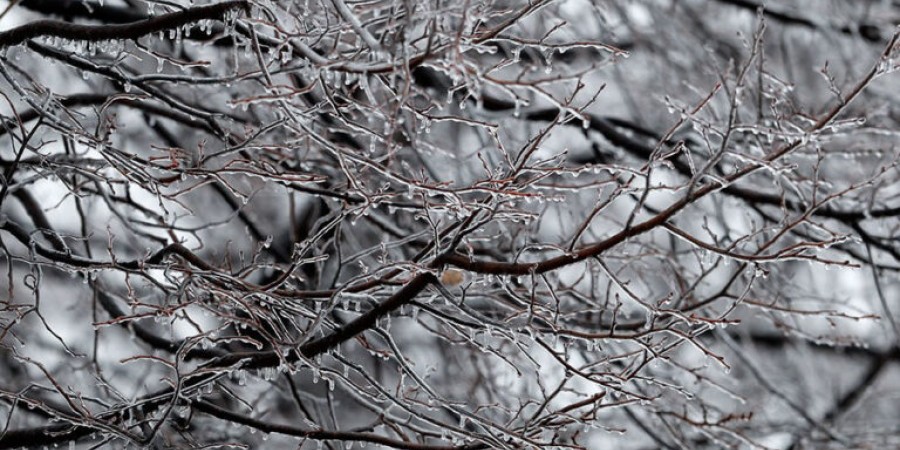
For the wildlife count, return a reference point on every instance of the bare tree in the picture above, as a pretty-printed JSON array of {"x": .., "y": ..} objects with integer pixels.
[{"x": 449, "y": 224}]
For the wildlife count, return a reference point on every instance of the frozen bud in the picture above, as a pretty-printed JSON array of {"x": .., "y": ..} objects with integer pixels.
[{"x": 452, "y": 277}]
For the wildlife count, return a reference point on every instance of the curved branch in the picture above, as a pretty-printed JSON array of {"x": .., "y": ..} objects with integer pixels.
[
  {"x": 348, "y": 436},
  {"x": 84, "y": 9},
  {"x": 867, "y": 31},
  {"x": 130, "y": 31},
  {"x": 608, "y": 127}
]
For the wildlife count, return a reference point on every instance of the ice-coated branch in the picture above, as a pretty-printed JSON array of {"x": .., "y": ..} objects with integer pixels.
[{"x": 128, "y": 31}]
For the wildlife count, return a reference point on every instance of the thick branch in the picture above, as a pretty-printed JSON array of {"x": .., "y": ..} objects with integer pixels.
[
  {"x": 867, "y": 31},
  {"x": 609, "y": 128},
  {"x": 84, "y": 9},
  {"x": 129, "y": 31},
  {"x": 346, "y": 436}
]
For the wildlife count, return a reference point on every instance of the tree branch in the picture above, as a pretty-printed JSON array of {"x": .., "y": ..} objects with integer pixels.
[{"x": 129, "y": 31}]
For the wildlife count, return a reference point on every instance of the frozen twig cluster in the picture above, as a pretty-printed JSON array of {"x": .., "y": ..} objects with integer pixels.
[{"x": 447, "y": 225}]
